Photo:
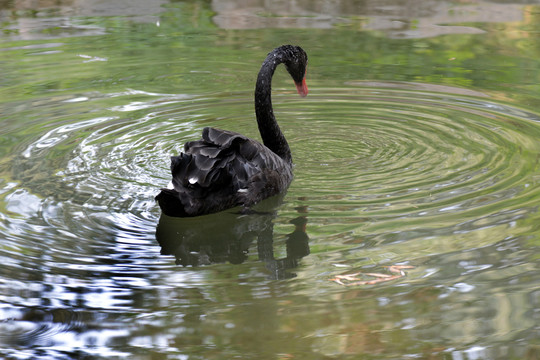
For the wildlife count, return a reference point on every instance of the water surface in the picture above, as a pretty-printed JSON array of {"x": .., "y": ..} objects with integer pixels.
[{"x": 417, "y": 145}]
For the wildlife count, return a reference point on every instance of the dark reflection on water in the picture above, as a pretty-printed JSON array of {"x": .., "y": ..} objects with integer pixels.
[{"x": 227, "y": 237}]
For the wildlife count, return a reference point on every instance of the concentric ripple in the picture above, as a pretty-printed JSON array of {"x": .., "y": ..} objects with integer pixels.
[
  {"x": 415, "y": 157},
  {"x": 385, "y": 151},
  {"x": 380, "y": 151},
  {"x": 372, "y": 162}
]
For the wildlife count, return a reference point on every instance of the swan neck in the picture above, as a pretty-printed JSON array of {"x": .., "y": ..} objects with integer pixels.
[{"x": 271, "y": 134}]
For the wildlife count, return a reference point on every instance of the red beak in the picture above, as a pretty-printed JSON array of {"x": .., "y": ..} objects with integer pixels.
[{"x": 302, "y": 88}]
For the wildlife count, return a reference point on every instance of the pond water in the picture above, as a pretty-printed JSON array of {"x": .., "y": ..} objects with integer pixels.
[{"x": 418, "y": 146}]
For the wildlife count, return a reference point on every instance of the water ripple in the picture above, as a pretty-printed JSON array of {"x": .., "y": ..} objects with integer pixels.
[
  {"x": 375, "y": 165},
  {"x": 383, "y": 152},
  {"x": 408, "y": 154}
]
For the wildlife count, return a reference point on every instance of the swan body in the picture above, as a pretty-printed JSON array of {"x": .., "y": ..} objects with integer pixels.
[{"x": 225, "y": 169}]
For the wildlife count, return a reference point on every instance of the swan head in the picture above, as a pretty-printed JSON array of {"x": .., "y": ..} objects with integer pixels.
[{"x": 295, "y": 60}]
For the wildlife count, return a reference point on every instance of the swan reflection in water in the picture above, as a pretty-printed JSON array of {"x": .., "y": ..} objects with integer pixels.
[{"x": 227, "y": 237}]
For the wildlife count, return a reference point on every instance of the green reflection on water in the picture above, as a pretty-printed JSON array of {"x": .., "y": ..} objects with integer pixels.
[{"x": 474, "y": 282}]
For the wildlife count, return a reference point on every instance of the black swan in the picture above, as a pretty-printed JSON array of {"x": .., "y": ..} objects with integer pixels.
[{"x": 226, "y": 169}]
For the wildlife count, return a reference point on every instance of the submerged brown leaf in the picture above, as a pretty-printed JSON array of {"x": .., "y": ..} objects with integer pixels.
[{"x": 360, "y": 278}]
